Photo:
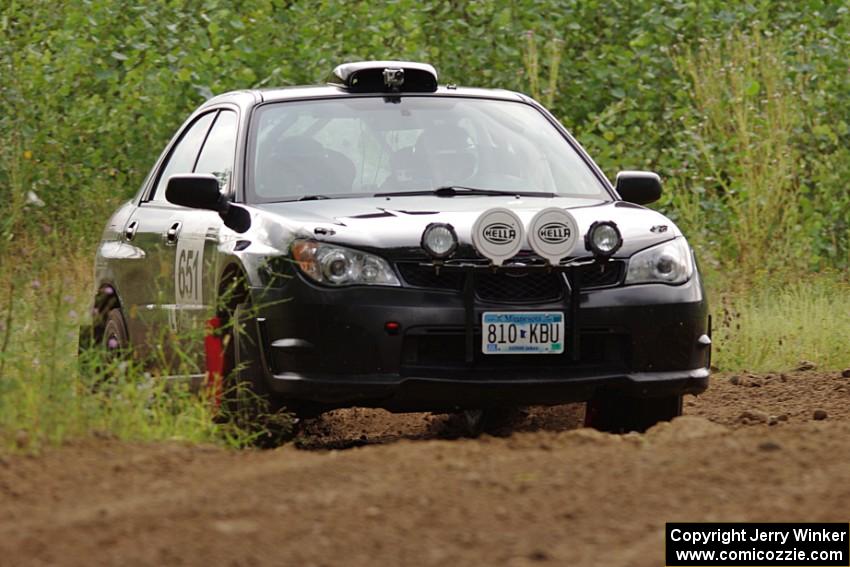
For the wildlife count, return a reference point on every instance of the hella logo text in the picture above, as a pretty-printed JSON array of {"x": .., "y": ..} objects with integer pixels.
[
  {"x": 554, "y": 232},
  {"x": 499, "y": 233}
]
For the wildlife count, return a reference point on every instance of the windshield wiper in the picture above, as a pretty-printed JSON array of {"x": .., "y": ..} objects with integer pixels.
[
  {"x": 455, "y": 190},
  {"x": 318, "y": 197},
  {"x": 312, "y": 198}
]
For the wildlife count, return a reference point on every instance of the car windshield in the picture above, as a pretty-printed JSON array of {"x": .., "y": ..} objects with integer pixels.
[{"x": 362, "y": 146}]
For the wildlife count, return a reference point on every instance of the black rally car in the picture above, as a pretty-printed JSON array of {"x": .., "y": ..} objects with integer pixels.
[{"x": 384, "y": 241}]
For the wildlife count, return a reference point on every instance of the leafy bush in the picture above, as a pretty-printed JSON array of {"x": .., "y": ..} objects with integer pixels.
[{"x": 92, "y": 90}]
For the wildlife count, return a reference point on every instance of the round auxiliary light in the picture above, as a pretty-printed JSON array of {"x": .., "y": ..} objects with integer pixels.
[
  {"x": 498, "y": 234},
  {"x": 439, "y": 240},
  {"x": 553, "y": 234},
  {"x": 603, "y": 239}
]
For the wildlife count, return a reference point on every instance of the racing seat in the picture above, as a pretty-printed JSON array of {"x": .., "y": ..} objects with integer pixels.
[
  {"x": 299, "y": 165},
  {"x": 447, "y": 151},
  {"x": 442, "y": 155}
]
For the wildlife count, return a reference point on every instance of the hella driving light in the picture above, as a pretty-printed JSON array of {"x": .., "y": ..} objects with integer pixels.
[
  {"x": 439, "y": 240},
  {"x": 603, "y": 239},
  {"x": 338, "y": 266},
  {"x": 498, "y": 234},
  {"x": 553, "y": 234},
  {"x": 669, "y": 262}
]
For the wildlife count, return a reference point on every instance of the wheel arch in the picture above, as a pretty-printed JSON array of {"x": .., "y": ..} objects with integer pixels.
[{"x": 232, "y": 286}]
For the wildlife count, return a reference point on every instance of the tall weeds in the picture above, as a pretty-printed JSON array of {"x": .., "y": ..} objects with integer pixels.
[
  {"x": 748, "y": 113},
  {"x": 534, "y": 68},
  {"x": 48, "y": 394}
]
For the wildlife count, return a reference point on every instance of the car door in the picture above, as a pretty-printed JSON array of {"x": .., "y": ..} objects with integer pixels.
[
  {"x": 155, "y": 227},
  {"x": 196, "y": 252}
]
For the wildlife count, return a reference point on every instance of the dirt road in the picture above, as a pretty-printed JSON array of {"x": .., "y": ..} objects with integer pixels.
[{"x": 550, "y": 494}]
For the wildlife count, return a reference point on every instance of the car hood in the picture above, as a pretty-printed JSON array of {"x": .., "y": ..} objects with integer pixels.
[{"x": 396, "y": 223}]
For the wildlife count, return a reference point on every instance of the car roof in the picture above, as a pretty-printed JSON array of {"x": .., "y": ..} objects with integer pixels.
[{"x": 280, "y": 94}]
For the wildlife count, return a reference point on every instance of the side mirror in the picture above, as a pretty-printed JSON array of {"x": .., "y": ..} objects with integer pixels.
[
  {"x": 195, "y": 191},
  {"x": 639, "y": 187},
  {"x": 201, "y": 191}
]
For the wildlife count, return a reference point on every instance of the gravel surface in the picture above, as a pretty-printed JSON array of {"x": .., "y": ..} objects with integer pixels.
[{"x": 365, "y": 487}]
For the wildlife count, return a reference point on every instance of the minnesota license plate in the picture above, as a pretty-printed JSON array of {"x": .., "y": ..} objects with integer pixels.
[{"x": 517, "y": 332}]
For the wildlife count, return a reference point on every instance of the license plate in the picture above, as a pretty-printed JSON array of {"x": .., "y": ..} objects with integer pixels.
[{"x": 517, "y": 332}]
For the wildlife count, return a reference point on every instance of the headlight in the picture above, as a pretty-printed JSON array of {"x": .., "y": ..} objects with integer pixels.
[
  {"x": 669, "y": 262},
  {"x": 338, "y": 266}
]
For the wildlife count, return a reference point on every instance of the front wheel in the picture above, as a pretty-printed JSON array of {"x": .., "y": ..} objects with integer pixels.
[
  {"x": 499, "y": 421},
  {"x": 620, "y": 414},
  {"x": 103, "y": 349},
  {"x": 246, "y": 396},
  {"x": 115, "y": 339}
]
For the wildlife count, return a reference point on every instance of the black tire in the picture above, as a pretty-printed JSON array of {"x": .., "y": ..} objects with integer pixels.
[
  {"x": 246, "y": 397},
  {"x": 498, "y": 422},
  {"x": 101, "y": 347},
  {"x": 621, "y": 414},
  {"x": 115, "y": 340},
  {"x": 245, "y": 388}
]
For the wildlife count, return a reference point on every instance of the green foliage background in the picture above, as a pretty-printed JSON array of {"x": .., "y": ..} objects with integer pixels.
[{"x": 91, "y": 90}]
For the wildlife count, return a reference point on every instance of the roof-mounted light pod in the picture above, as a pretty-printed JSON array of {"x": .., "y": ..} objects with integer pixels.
[{"x": 385, "y": 76}]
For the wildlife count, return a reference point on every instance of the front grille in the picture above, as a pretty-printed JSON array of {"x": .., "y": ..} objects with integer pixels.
[
  {"x": 601, "y": 275},
  {"x": 427, "y": 276},
  {"x": 519, "y": 287},
  {"x": 501, "y": 287},
  {"x": 511, "y": 286}
]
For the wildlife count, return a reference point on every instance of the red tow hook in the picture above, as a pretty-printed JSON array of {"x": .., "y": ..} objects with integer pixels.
[{"x": 215, "y": 361}]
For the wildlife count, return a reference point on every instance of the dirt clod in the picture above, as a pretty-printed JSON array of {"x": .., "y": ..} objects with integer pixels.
[
  {"x": 820, "y": 415},
  {"x": 748, "y": 380},
  {"x": 806, "y": 365},
  {"x": 753, "y": 416},
  {"x": 845, "y": 373}
]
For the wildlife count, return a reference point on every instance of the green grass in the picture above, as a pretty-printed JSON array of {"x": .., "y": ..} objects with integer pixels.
[
  {"x": 45, "y": 398},
  {"x": 775, "y": 325}
]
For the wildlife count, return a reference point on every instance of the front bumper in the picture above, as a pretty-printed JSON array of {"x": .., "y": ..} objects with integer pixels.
[
  {"x": 419, "y": 393},
  {"x": 331, "y": 347}
]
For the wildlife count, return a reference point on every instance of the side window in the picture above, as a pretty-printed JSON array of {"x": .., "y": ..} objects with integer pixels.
[
  {"x": 184, "y": 154},
  {"x": 217, "y": 155}
]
